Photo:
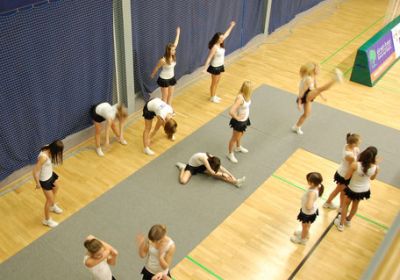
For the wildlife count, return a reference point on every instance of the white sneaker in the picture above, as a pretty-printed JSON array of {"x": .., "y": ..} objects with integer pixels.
[
  {"x": 215, "y": 99},
  {"x": 239, "y": 182},
  {"x": 50, "y": 223},
  {"x": 339, "y": 75},
  {"x": 148, "y": 151},
  {"x": 329, "y": 205},
  {"x": 298, "y": 234},
  {"x": 347, "y": 223},
  {"x": 56, "y": 209},
  {"x": 99, "y": 152},
  {"x": 241, "y": 149},
  {"x": 180, "y": 165},
  {"x": 297, "y": 130},
  {"x": 298, "y": 240},
  {"x": 173, "y": 137},
  {"x": 232, "y": 157},
  {"x": 339, "y": 226},
  {"x": 123, "y": 142}
]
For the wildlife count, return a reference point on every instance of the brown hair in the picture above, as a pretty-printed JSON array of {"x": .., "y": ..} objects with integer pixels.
[
  {"x": 215, "y": 39},
  {"x": 157, "y": 232},
  {"x": 169, "y": 58},
  {"x": 215, "y": 162},
  {"x": 122, "y": 113},
  {"x": 352, "y": 138},
  {"x": 316, "y": 179},
  {"x": 93, "y": 245},
  {"x": 56, "y": 149},
  {"x": 170, "y": 127},
  {"x": 367, "y": 158}
]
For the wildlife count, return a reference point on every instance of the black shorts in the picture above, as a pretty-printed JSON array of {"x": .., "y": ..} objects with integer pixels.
[
  {"x": 304, "y": 98},
  {"x": 340, "y": 180},
  {"x": 357, "y": 196},
  {"x": 48, "y": 185},
  {"x": 95, "y": 116},
  {"x": 166, "y": 82},
  {"x": 238, "y": 125},
  {"x": 304, "y": 218},
  {"x": 194, "y": 170},
  {"x": 216, "y": 70},
  {"x": 147, "y": 275},
  {"x": 148, "y": 115}
]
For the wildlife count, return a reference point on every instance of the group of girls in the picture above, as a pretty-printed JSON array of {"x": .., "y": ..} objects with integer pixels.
[
  {"x": 157, "y": 248},
  {"x": 353, "y": 179}
]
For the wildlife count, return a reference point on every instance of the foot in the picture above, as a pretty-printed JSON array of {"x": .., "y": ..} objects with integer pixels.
[
  {"x": 122, "y": 142},
  {"x": 339, "y": 226},
  {"x": 50, "y": 223},
  {"x": 232, "y": 157},
  {"x": 347, "y": 223},
  {"x": 241, "y": 149},
  {"x": 56, "y": 209},
  {"x": 297, "y": 130},
  {"x": 339, "y": 76},
  {"x": 173, "y": 137},
  {"x": 239, "y": 182},
  {"x": 298, "y": 240},
  {"x": 298, "y": 234},
  {"x": 148, "y": 151},
  {"x": 215, "y": 99},
  {"x": 180, "y": 165},
  {"x": 99, "y": 152},
  {"x": 329, "y": 205}
]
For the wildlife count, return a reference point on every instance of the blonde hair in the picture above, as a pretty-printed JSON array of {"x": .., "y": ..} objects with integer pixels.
[
  {"x": 246, "y": 90},
  {"x": 308, "y": 69},
  {"x": 122, "y": 113}
]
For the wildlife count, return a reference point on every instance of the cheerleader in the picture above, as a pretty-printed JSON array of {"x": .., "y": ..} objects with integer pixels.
[
  {"x": 167, "y": 63},
  {"x": 240, "y": 120},
  {"x": 164, "y": 113},
  {"x": 349, "y": 155},
  {"x": 109, "y": 113},
  {"x": 205, "y": 163},
  {"x": 308, "y": 91},
  {"x": 309, "y": 207},
  {"x": 361, "y": 173},
  {"x": 215, "y": 60},
  {"x": 46, "y": 179}
]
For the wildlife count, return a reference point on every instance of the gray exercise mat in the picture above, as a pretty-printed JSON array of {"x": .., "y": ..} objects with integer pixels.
[{"x": 153, "y": 194}]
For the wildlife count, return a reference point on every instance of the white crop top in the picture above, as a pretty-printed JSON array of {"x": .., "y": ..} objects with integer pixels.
[
  {"x": 100, "y": 271},
  {"x": 47, "y": 168},
  {"x": 304, "y": 202},
  {"x": 244, "y": 110},
  {"x": 344, "y": 164},
  {"x": 167, "y": 71},
  {"x": 361, "y": 182},
  {"x": 159, "y": 107},
  {"x": 197, "y": 159},
  {"x": 106, "y": 110},
  {"x": 153, "y": 262},
  {"x": 218, "y": 59}
]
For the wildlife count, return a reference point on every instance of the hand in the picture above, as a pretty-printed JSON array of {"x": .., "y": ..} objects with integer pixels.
[
  {"x": 140, "y": 239},
  {"x": 158, "y": 276},
  {"x": 299, "y": 106},
  {"x": 37, "y": 187},
  {"x": 324, "y": 98},
  {"x": 204, "y": 71},
  {"x": 178, "y": 30},
  {"x": 378, "y": 160},
  {"x": 232, "y": 24}
]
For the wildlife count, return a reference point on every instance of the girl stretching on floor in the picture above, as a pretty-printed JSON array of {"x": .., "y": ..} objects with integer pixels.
[
  {"x": 308, "y": 91},
  {"x": 209, "y": 165},
  {"x": 361, "y": 173},
  {"x": 240, "y": 120},
  {"x": 309, "y": 207},
  {"x": 349, "y": 155}
]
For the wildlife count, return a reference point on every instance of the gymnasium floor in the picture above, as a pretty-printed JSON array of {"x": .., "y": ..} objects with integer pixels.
[{"x": 318, "y": 36}]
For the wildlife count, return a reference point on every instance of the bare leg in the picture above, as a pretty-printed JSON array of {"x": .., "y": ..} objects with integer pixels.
[
  {"x": 49, "y": 202},
  {"x": 345, "y": 207},
  {"x": 235, "y": 140},
  {"x": 164, "y": 94},
  {"x": 306, "y": 114},
  {"x": 184, "y": 176},
  {"x": 146, "y": 132},
  {"x": 214, "y": 83},
  {"x": 115, "y": 129},
  {"x": 305, "y": 230},
  {"x": 339, "y": 189},
  {"x": 315, "y": 92},
  {"x": 354, "y": 208},
  {"x": 170, "y": 95},
  {"x": 97, "y": 134}
]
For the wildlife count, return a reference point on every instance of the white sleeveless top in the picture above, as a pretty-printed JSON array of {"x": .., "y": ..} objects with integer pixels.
[
  {"x": 218, "y": 59},
  {"x": 361, "y": 182},
  {"x": 47, "y": 168},
  {"x": 167, "y": 71},
  {"x": 244, "y": 110},
  {"x": 302, "y": 84},
  {"x": 344, "y": 164},
  {"x": 106, "y": 110},
  {"x": 159, "y": 107},
  {"x": 100, "y": 271},
  {"x": 153, "y": 262},
  {"x": 197, "y": 159},
  {"x": 304, "y": 202}
]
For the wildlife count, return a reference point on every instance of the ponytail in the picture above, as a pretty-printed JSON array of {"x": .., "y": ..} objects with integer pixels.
[{"x": 321, "y": 190}]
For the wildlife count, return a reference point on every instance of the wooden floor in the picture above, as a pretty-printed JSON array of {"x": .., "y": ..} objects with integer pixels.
[{"x": 328, "y": 35}]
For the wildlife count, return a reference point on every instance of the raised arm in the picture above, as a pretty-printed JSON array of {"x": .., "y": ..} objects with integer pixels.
[
  {"x": 178, "y": 33},
  {"x": 36, "y": 170},
  {"x": 143, "y": 245},
  {"x": 228, "y": 31}
]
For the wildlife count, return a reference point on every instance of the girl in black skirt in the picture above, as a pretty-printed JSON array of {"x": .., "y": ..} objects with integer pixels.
[
  {"x": 309, "y": 207},
  {"x": 46, "y": 179},
  {"x": 167, "y": 80},
  {"x": 308, "y": 91},
  {"x": 349, "y": 155},
  {"x": 215, "y": 60},
  {"x": 361, "y": 173},
  {"x": 239, "y": 112}
]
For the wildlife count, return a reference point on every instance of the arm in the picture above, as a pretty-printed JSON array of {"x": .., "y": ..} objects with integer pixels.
[
  {"x": 310, "y": 200},
  {"x": 105, "y": 244},
  {"x": 376, "y": 173},
  {"x": 234, "y": 108},
  {"x": 208, "y": 167},
  {"x": 108, "y": 128},
  {"x": 351, "y": 170},
  {"x": 225, "y": 171},
  {"x": 36, "y": 170},
  {"x": 90, "y": 262},
  {"x": 160, "y": 276},
  {"x": 121, "y": 129},
  {"x": 143, "y": 245},
  {"x": 166, "y": 257},
  {"x": 209, "y": 57},
  {"x": 178, "y": 33},
  {"x": 160, "y": 63},
  {"x": 157, "y": 127},
  {"x": 349, "y": 159},
  {"x": 228, "y": 31}
]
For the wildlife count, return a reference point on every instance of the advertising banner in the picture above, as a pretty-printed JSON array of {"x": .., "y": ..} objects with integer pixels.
[{"x": 381, "y": 55}]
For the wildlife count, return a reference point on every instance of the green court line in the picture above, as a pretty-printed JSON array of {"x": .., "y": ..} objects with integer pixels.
[
  {"x": 204, "y": 268},
  {"x": 358, "y": 215},
  {"x": 352, "y": 40}
]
